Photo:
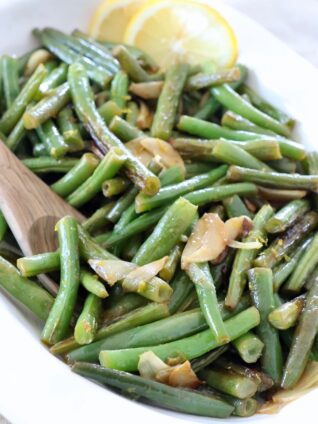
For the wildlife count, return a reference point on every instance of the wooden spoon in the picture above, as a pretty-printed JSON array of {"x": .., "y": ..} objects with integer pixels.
[{"x": 30, "y": 207}]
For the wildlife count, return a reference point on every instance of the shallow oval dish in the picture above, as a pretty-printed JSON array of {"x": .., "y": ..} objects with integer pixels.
[{"x": 35, "y": 386}]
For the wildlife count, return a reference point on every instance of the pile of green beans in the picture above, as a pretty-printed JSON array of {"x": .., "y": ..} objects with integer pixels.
[{"x": 248, "y": 321}]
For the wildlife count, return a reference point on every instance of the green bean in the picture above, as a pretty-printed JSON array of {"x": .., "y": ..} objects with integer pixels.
[
  {"x": 47, "y": 164},
  {"x": 207, "y": 359},
  {"x": 48, "y": 107},
  {"x": 286, "y": 216},
  {"x": 231, "y": 154},
  {"x": 229, "y": 383},
  {"x": 114, "y": 186},
  {"x": 30, "y": 266},
  {"x": 303, "y": 339},
  {"x": 277, "y": 195},
  {"x": 119, "y": 89},
  {"x": 52, "y": 139},
  {"x": 70, "y": 130},
  {"x": 182, "y": 286},
  {"x": 312, "y": 159},
  {"x": 267, "y": 108},
  {"x": 190, "y": 347},
  {"x": 261, "y": 287},
  {"x": 76, "y": 176},
  {"x": 305, "y": 266},
  {"x": 167, "y": 232},
  {"x": 282, "y": 246},
  {"x": 215, "y": 194},
  {"x": 87, "y": 323},
  {"x": 199, "y": 149},
  {"x": 85, "y": 107},
  {"x": 202, "y": 279},
  {"x": 153, "y": 333},
  {"x": 123, "y": 130},
  {"x": 29, "y": 293},
  {"x": 249, "y": 347},
  {"x": 92, "y": 284},
  {"x": 55, "y": 78},
  {"x": 98, "y": 219},
  {"x": 89, "y": 249},
  {"x": 109, "y": 110},
  {"x": 284, "y": 270},
  {"x": 167, "y": 194},
  {"x": 170, "y": 397},
  {"x": 137, "y": 317},
  {"x": 244, "y": 258},
  {"x": 236, "y": 122},
  {"x": 96, "y": 73},
  {"x": 131, "y": 247},
  {"x": 168, "y": 101},
  {"x": 208, "y": 109},
  {"x": 106, "y": 169},
  {"x": 235, "y": 207},
  {"x": 205, "y": 80},
  {"x": 220, "y": 271},
  {"x": 213, "y": 131},
  {"x": 273, "y": 179},
  {"x": 284, "y": 165},
  {"x": 130, "y": 65},
  {"x": 16, "y": 135},
  {"x": 132, "y": 113},
  {"x": 242, "y": 407},
  {"x": 172, "y": 263},
  {"x": 87, "y": 48},
  {"x": 233, "y": 101},
  {"x": 10, "y": 79},
  {"x": 122, "y": 204},
  {"x": 195, "y": 168},
  {"x": 16, "y": 110},
  {"x": 57, "y": 324},
  {"x": 287, "y": 314}
]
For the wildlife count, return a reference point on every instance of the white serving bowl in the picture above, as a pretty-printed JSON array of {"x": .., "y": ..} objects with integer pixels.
[{"x": 37, "y": 388}]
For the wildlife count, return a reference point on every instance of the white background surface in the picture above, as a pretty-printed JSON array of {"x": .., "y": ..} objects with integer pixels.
[{"x": 36, "y": 388}]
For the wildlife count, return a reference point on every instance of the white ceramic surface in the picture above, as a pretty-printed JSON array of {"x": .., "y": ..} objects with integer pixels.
[{"x": 35, "y": 387}]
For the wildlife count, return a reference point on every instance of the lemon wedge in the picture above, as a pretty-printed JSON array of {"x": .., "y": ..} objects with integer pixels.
[
  {"x": 182, "y": 31},
  {"x": 111, "y": 19}
]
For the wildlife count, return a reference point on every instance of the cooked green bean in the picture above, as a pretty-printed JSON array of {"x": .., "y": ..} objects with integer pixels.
[
  {"x": 85, "y": 107},
  {"x": 249, "y": 347},
  {"x": 134, "y": 318},
  {"x": 47, "y": 164},
  {"x": 227, "y": 382},
  {"x": 215, "y": 194},
  {"x": 114, "y": 186},
  {"x": 92, "y": 284},
  {"x": 48, "y": 107},
  {"x": 167, "y": 194},
  {"x": 106, "y": 169},
  {"x": 70, "y": 130},
  {"x": 13, "y": 114},
  {"x": 168, "y": 101},
  {"x": 207, "y": 359},
  {"x": 123, "y": 130},
  {"x": 195, "y": 168},
  {"x": 303, "y": 339},
  {"x": 306, "y": 265},
  {"x": 284, "y": 165},
  {"x": 109, "y": 110},
  {"x": 76, "y": 176},
  {"x": 10, "y": 79},
  {"x": 16, "y": 135},
  {"x": 119, "y": 89},
  {"x": 283, "y": 270},
  {"x": 282, "y": 246},
  {"x": 167, "y": 232},
  {"x": 236, "y": 122},
  {"x": 55, "y": 78},
  {"x": 172, "y": 263},
  {"x": 205, "y": 80},
  {"x": 261, "y": 286},
  {"x": 235, "y": 207},
  {"x": 287, "y": 314},
  {"x": 52, "y": 139},
  {"x": 273, "y": 179},
  {"x": 209, "y": 130},
  {"x": 286, "y": 216},
  {"x": 244, "y": 258},
  {"x": 190, "y": 347},
  {"x": 58, "y": 322},
  {"x": 87, "y": 323},
  {"x": 42, "y": 263},
  {"x": 29, "y": 293},
  {"x": 98, "y": 219},
  {"x": 170, "y": 397},
  {"x": 233, "y": 101}
]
